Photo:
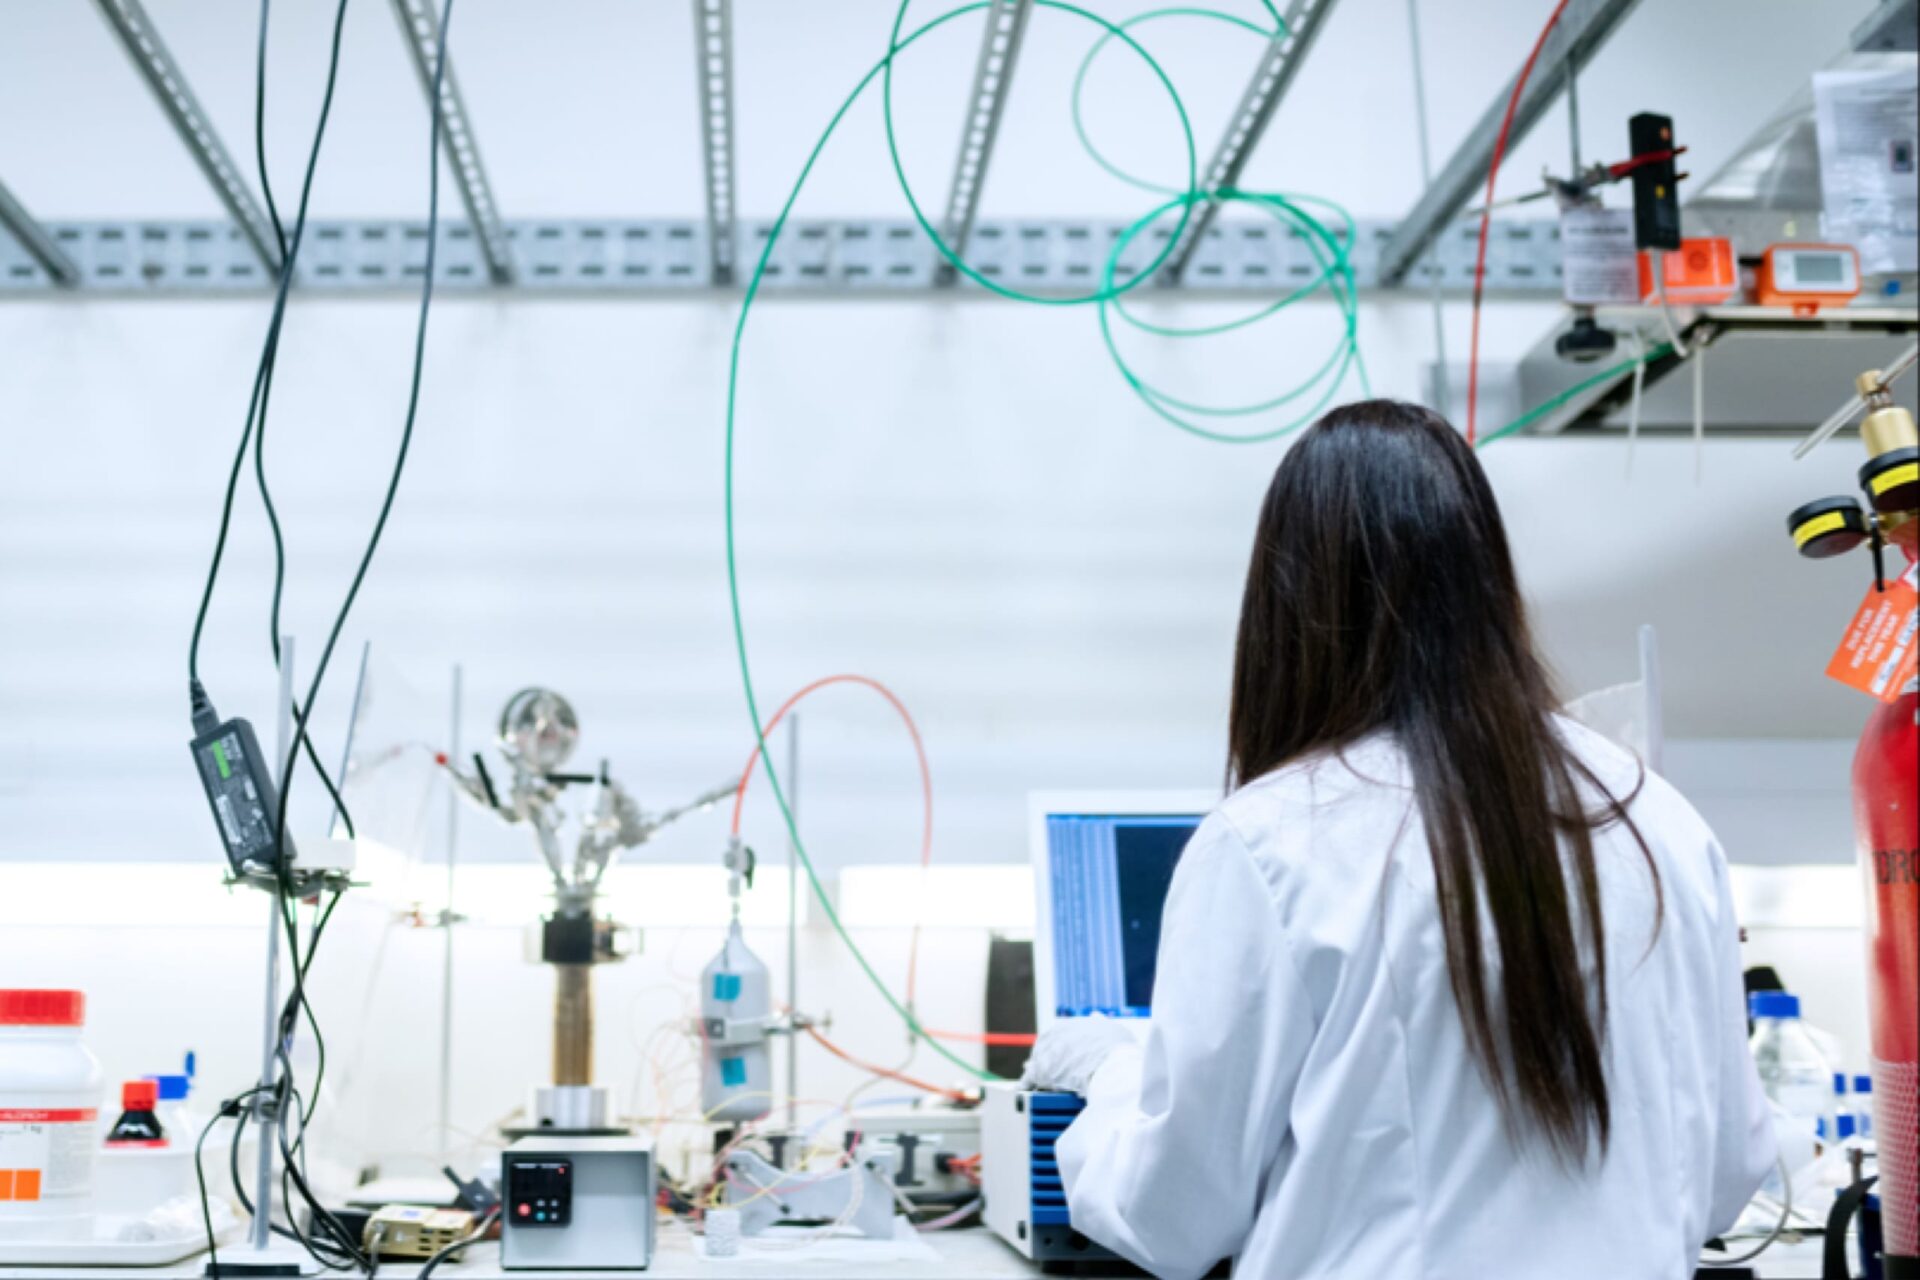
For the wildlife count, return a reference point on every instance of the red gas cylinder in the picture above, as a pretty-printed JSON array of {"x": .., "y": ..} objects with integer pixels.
[
  {"x": 1886, "y": 819},
  {"x": 1886, "y": 810}
]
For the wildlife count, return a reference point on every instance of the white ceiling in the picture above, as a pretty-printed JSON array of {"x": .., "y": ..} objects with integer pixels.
[{"x": 587, "y": 107}]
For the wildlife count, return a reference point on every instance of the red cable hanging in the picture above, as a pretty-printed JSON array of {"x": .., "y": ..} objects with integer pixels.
[{"x": 1486, "y": 219}]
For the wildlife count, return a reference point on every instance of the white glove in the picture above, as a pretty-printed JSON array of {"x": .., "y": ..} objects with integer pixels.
[{"x": 1067, "y": 1054}]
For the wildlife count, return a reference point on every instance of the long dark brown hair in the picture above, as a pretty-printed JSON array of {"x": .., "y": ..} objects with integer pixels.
[{"x": 1382, "y": 597}]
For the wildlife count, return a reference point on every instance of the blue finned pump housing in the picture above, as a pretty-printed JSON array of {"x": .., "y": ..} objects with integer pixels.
[{"x": 1051, "y": 1114}]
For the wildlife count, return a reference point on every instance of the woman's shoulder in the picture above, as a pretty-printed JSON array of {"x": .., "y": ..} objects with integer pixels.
[
  {"x": 1653, "y": 802},
  {"x": 1331, "y": 797}
]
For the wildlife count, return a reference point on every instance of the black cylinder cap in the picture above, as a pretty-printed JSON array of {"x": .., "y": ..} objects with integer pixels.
[
  {"x": 1838, "y": 526},
  {"x": 1892, "y": 480}
]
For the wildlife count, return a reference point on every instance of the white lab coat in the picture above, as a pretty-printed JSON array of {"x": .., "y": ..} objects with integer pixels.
[{"x": 1306, "y": 1103}]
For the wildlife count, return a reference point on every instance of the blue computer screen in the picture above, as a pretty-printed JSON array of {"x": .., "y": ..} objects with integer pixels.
[{"x": 1109, "y": 882}]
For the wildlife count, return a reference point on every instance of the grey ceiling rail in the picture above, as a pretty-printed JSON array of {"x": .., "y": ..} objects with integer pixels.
[
  {"x": 1582, "y": 29},
  {"x": 37, "y": 241},
  {"x": 163, "y": 75},
  {"x": 1284, "y": 56},
  {"x": 713, "y": 73},
  {"x": 986, "y": 103},
  {"x": 421, "y": 27}
]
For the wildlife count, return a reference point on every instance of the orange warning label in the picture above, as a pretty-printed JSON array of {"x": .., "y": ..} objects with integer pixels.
[
  {"x": 19, "y": 1184},
  {"x": 1879, "y": 656}
]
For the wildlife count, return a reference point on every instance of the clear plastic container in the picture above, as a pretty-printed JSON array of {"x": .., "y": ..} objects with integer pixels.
[
  {"x": 1793, "y": 1071},
  {"x": 736, "y": 1081},
  {"x": 49, "y": 1116}
]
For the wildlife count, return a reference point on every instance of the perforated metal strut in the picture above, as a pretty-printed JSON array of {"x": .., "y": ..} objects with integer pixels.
[
  {"x": 713, "y": 58},
  {"x": 37, "y": 241},
  {"x": 421, "y": 28},
  {"x": 1271, "y": 79},
  {"x": 1581, "y": 30},
  {"x": 157, "y": 67},
  {"x": 669, "y": 256},
  {"x": 992, "y": 78}
]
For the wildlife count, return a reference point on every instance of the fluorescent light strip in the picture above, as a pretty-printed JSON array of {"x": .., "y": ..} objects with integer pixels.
[
  {"x": 1799, "y": 897},
  {"x": 974, "y": 897}
]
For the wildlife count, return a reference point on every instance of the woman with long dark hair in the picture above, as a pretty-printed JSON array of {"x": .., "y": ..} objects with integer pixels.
[{"x": 1448, "y": 986}]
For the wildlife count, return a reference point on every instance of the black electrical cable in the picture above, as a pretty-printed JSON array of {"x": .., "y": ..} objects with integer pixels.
[
  {"x": 327, "y": 1229},
  {"x": 237, "y": 1183},
  {"x": 471, "y": 1238},
  {"x": 297, "y": 1001},
  {"x": 260, "y": 132},
  {"x": 226, "y": 1111},
  {"x": 298, "y": 998},
  {"x": 313, "y": 1023},
  {"x": 263, "y": 379},
  {"x": 412, "y": 416}
]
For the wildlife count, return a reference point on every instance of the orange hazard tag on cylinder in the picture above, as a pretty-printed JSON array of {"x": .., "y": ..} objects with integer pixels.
[{"x": 1879, "y": 655}]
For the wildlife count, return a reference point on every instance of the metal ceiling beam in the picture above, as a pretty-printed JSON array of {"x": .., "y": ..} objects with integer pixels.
[
  {"x": 986, "y": 103},
  {"x": 1575, "y": 38},
  {"x": 162, "y": 74},
  {"x": 37, "y": 241},
  {"x": 421, "y": 28},
  {"x": 713, "y": 67},
  {"x": 1285, "y": 54},
  {"x": 666, "y": 257},
  {"x": 1894, "y": 27}
]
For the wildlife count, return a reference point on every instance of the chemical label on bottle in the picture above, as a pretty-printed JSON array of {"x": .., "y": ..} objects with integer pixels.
[
  {"x": 1600, "y": 265},
  {"x": 45, "y": 1154},
  {"x": 1878, "y": 655}
]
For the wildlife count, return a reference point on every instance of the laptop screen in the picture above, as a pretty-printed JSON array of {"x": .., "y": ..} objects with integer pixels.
[{"x": 1109, "y": 878}]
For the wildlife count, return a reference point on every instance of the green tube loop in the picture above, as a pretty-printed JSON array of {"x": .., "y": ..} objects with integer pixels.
[
  {"x": 1336, "y": 275},
  {"x": 1086, "y": 64},
  {"x": 1108, "y": 289}
]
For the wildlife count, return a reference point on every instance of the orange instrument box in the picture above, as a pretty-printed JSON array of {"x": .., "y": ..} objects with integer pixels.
[
  {"x": 1700, "y": 273},
  {"x": 1807, "y": 277}
]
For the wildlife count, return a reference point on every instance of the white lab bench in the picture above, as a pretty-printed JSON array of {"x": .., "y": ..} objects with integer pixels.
[{"x": 968, "y": 1254}]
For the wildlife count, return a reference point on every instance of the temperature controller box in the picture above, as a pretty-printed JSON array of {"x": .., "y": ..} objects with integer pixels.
[{"x": 577, "y": 1204}]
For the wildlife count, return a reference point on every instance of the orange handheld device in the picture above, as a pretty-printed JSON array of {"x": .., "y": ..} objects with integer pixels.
[{"x": 1807, "y": 277}]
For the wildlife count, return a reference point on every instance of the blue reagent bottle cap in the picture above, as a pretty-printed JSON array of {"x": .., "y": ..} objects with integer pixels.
[
  {"x": 1773, "y": 1004},
  {"x": 172, "y": 1088}
]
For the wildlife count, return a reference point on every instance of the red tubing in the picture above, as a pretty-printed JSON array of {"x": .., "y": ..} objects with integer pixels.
[
  {"x": 1486, "y": 219},
  {"x": 926, "y": 784}
]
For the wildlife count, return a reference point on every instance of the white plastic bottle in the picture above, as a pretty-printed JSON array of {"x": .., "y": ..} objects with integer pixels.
[
  {"x": 736, "y": 998},
  {"x": 49, "y": 1116},
  {"x": 1793, "y": 1071}
]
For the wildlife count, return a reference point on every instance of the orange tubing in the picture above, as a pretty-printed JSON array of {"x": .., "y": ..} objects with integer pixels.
[
  {"x": 991, "y": 1037},
  {"x": 951, "y": 1095},
  {"x": 926, "y": 785}
]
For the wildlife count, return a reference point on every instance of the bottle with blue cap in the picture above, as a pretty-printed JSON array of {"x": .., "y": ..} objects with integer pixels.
[
  {"x": 1863, "y": 1106},
  {"x": 1794, "y": 1073},
  {"x": 173, "y": 1107}
]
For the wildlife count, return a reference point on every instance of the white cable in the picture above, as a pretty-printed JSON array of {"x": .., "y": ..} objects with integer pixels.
[
  {"x": 958, "y": 1215},
  {"x": 1786, "y": 1212},
  {"x": 1666, "y": 312},
  {"x": 1699, "y": 415},
  {"x": 1633, "y": 406}
]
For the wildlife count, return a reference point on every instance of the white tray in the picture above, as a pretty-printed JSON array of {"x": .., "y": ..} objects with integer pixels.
[{"x": 105, "y": 1251}]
